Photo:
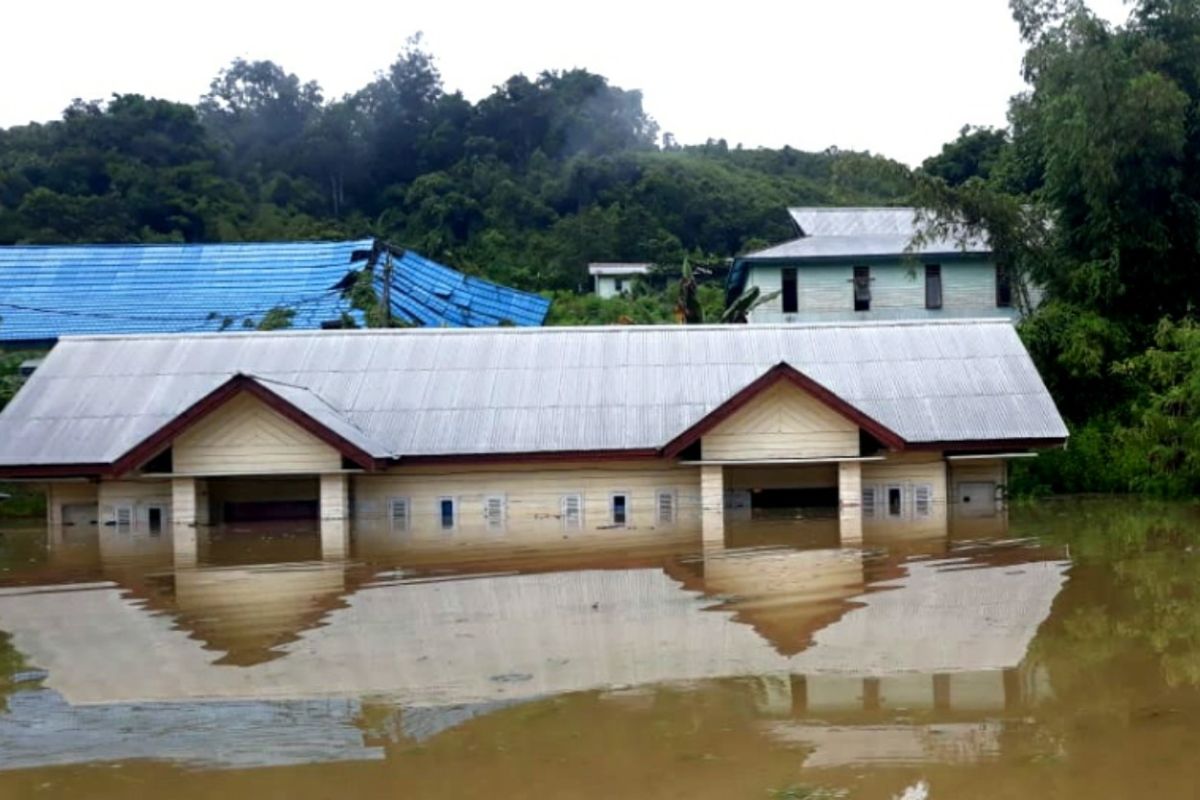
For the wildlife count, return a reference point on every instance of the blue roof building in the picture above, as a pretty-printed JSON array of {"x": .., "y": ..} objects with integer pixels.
[{"x": 59, "y": 290}]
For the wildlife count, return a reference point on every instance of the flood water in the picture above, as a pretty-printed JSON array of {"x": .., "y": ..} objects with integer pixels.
[{"x": 1054, "y": 656}]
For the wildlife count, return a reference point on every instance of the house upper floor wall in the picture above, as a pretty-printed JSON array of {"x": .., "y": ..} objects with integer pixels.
[{"x": 897, "y": 290}]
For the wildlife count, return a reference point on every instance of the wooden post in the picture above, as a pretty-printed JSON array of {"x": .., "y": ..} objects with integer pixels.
[
  {"x": 850, "y": 513},
  {"x": 183, "y": 502},
  {"x": 712, "y": 505},
  {"x": 335, "y": 514},
  {"x": 387, "y": 288}
]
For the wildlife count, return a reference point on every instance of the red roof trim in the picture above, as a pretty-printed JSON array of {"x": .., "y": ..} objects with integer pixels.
[
  {"x": 56, "y": 471},
  {"x": 776, "y": 374},
  {"x": 164, "y": 436}
]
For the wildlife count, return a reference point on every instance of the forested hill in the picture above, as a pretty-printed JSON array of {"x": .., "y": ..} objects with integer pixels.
[{"x": 525, "y": 186}]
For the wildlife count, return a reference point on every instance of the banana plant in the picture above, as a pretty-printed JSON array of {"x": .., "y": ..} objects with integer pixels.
[{"x": 738, "y": 312}]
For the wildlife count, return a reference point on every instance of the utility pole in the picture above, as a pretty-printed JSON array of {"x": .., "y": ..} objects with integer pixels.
[{"x": 387, "y": 287}]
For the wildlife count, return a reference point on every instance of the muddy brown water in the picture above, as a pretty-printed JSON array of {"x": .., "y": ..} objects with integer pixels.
[{"x": 1056, "y": 655}]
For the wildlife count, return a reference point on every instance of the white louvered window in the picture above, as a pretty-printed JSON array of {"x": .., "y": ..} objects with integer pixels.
[
  {"x": 923, "y": 500},
  {"x": 123, "y": 516},
  {"x": 398, "y": 513},
  {"x": 494, "y": 512},
  {"x": 664, "y": 507},
  {"x": 572, "y": 512},
  {"x": 868, "y": 501}
]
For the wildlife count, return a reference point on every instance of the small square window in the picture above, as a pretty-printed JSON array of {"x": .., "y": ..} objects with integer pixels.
[
  {"x": 494, "y": 512},
  {"x": 398, "y": 514},
  {"x": 447, "y": 513},
  {"x": 1003, "y": 287},
  {"x": 791, "y": 293},
  {"x": 123, "y": 517},
  {"x": 862, "y": 288},
  {"x": 571, "y": 508},
  {"x": 933, "y": 286},
  {"x": 620, "y": 509},
  {"x": 923, "y": 501},
  {"x": 868, "y": 501},
  {"x": 664, "y": 507}
]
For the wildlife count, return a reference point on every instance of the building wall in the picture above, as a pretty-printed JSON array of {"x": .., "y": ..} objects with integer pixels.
[
  {"x": 139, "y": 495},
  {"x": 532, "y": 499},
  {"x": 246, "y": 436},
  {"x": 978, "y": 472},
  {"x": 825, "y": 291},
  {"x": 907, "y": 471},
  {"x": 782, "y": 422},
  {"x": 59, "y": 495},
  {"x": 606, "y": 285}
]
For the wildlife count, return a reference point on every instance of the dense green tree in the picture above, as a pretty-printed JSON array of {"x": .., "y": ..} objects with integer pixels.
[
  {"x": 1095, "y": 198},
  {"x": 973, "y": 154},
  {"x": 525, "y": 187}
]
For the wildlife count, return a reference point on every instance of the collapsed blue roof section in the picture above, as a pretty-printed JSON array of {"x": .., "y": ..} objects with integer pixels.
[
  {"x": 52, "y": 291},
  {"x": 426, "y": 293}
]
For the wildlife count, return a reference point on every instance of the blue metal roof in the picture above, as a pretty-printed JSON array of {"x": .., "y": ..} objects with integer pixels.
[
  {"x": 52, "y": 291},
  {"x": 426, "y": 293}
]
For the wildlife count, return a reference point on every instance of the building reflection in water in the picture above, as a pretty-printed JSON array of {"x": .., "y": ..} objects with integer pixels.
[{"x": 912, "y": 648}]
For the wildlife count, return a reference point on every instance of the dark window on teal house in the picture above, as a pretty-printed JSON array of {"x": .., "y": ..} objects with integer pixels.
[
  {"x": 1003, "y": 287},
  {"x": 933, "y": 285},
  {"x": 791, "y": 298},
  {"x": 862, "y": 288}
]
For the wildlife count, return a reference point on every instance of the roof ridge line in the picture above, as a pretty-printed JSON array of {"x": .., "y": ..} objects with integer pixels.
[
  {"x": 341, "y": 413},
  {"x": 533, "y": 330}
]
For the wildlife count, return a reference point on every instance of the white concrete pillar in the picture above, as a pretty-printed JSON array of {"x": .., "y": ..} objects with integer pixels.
[
  {"x": 335, "y": 539},
  {"x": 850, "y": 517},
  {"x": 335, "y": 496},
  {"x": 712, "y": 505},
  {"x": 53, "y": 507},
  {"x": 335, "y": 515},
  {"x": 203, "y": 515},
  {"x": 184, "y": 503},
  {"x": 185, "y": 543}
]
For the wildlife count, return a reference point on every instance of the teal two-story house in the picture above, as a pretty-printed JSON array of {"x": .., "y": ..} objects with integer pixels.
[{"x": 859, "y": 264}]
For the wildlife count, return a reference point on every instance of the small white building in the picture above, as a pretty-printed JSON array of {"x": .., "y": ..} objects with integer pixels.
[{"x": 612, "y": 279}]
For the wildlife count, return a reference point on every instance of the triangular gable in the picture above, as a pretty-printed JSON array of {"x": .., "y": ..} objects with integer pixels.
[
  {"x": 337, "y": 436},
  {"x": 782, "y": 372}
]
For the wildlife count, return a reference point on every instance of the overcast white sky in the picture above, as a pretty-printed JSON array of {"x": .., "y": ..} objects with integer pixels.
[{"x": 897, "y": 78}]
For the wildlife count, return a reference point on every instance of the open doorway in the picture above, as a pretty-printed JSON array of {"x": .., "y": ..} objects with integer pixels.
[
  {"x": 234, "y": 501},
  {"x": 154, "y": 520}
]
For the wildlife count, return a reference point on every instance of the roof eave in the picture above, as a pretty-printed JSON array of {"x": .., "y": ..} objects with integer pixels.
[
  {"x": 782, "y": 372},
  {"x": 166, "y": 434}
]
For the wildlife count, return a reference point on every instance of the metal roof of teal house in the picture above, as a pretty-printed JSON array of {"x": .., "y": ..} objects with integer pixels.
[{"x": 59, "y": 290}]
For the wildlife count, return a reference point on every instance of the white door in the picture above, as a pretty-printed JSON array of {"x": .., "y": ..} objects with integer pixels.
[{"x": 976, "y": 499}]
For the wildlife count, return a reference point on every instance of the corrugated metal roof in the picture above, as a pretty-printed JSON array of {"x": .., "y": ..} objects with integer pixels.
[
  {"x": 461, "y": 392},
  {"x": 619, "y": 267},
  {"x": 426, "y": 293},
  {"x": 849, "y": 233},
  {"x": 52, "y": 291}
]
